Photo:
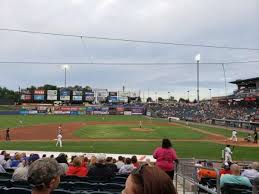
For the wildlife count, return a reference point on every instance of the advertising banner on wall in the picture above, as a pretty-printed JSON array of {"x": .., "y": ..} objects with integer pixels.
[
  {"x": 26, "y": 97},
  {"x": 120, "y": 110},
  {"x": 64, "y": 95},
  {"x": 100, "y": 94},
  {"x": 137, "y": 110},
  {"x": 112, "y": 93},
  {"x": 89, "y": 96},
  {"x": 112, "y": 99},
  {"x": 38, "y": 97},
  {"x": 122, "y": 99},
  {"x": 127, "y": 112},
  {"x": 100, "y": 110},
  {"x": 77, "y": 98},
  {"x": 39, "y": 92},
  {"x": 77, "y": 93},
  {"x": 52, "y": 94},
  {"x": 123, "y": 94}
]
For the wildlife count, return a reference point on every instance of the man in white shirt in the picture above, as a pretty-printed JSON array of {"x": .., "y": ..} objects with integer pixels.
[
  {"x": 251, "y": 173},
  {"x": 59, "y": 140},
  {"x": 234, "y": 136}
]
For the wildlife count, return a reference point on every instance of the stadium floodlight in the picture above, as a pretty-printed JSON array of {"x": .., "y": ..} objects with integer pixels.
[
  {"x": 65, "y": 67},
  {"x": 197, "y": 59}
]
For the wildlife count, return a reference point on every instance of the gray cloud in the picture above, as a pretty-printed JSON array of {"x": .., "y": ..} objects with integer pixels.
[{"x": 233, "y": 22}]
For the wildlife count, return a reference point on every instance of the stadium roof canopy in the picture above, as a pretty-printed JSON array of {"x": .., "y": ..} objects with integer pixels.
[{"x": 246, "y": 81}]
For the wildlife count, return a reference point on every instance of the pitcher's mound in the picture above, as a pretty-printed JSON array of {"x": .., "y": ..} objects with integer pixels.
[{"x": 141, "y": 129}]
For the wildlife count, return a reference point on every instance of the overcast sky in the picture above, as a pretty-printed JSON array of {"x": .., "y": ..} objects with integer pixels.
[{"x": 218, "y": 22}]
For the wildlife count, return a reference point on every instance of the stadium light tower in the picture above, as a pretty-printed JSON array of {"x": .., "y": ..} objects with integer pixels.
[
  {"x": 65, "y": 67},
  {"x": 188, "y": 95},
  {"x": 197, "y": 59},
  {"x": 210, "y": 93}
]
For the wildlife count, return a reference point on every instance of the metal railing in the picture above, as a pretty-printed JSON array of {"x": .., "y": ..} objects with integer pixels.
[{"x": 188, "y": 172}]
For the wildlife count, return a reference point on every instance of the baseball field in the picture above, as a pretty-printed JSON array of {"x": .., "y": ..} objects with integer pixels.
[{"x": 120, "y": 134}]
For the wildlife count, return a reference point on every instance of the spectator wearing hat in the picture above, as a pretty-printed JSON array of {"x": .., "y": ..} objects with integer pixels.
[
  {"x": 77, "y": 168},
  {"x": 21, "y": 173},
  {"x": 44, "y": 175},
  {"x": 226, "y": 169},
  {"x": 62, "y": 160},
  {"x": 100, "y": 171}
]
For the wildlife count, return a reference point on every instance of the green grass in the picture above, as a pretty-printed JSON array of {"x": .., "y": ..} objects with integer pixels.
[
  {"x": 203, "y": 150},
  {"x": 13, "y": 120},
  {"x": 218, "y": 130},
  {"x": 7, "y": 107},
  {"x": 124, "y": 131}
]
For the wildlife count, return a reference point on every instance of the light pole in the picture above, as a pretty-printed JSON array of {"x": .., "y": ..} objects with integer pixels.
[
  {"x": 224, "y": 78},
  {"x": 65, "y": 67},
  {"x": 168, "y": 96},
  {"x": 188, "y": 95},
  {"x": 197, "y": 59},
  {"x": 210, "y": 93},
  {"x": 156, "y": 97}
]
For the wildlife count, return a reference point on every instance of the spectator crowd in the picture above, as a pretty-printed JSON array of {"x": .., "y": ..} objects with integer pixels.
[{"x": 204, "y": 111}]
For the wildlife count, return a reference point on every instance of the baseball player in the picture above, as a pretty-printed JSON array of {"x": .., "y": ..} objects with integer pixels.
[
  {"x": 140, "y": 124},
  {"x": 59, "y": 140},
  {"x": 60, "y": 129},
  {"x": 234, "y": 136},
  {"x": 7, "y": 135},
  {"x": 228, "y": 154}
]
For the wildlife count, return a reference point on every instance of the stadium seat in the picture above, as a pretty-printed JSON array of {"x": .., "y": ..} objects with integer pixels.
[
  {"x": 9, "y": 170},
  {"x": 70, "y": 178},
  {"x": 111, "y": 187},
  {"x": 85, "y": 186},
  {"x": 14, "y": 190},
  {"x": 4, "y": 183},
  {"x": 66, "y": 186},
  {"x": 119, "y": 180},
  {"x": 100, "y": 192},
  {"x": 6, "y": 175},
  {"x": 235, "y": 189},
  {"x": 21, "y": 184},
  {"x": 62, "y": 191},
  {"x": 209, "y": 182}
]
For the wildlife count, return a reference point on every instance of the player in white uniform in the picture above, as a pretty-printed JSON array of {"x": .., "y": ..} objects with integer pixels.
[
  {"x": 60, "y": 129},
  {"x": 228, "y": 154},
  {"x": 140, "y": 124},
  {"x": 234, "y": 136},
  {"x": 59, "y": 140}
]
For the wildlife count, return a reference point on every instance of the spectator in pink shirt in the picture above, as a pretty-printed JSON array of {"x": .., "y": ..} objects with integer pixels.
[{"x": 166, "y": 157}]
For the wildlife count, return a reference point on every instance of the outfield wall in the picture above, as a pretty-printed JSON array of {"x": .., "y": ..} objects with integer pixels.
[{"x": 124, "y": 109}]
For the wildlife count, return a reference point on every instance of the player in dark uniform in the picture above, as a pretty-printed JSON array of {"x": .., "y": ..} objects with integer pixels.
[
  {"x": 255, "y": 136},
  {"x": 7, "y": 135}
]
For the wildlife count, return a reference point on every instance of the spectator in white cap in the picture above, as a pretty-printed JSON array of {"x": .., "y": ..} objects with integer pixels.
[{"x": 100, "y": 171}]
